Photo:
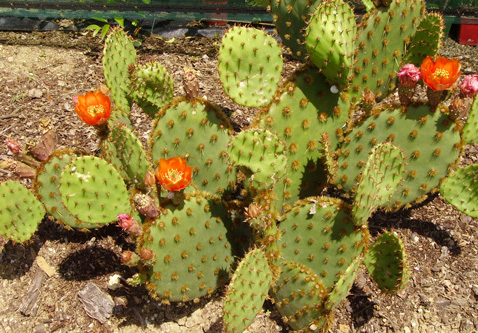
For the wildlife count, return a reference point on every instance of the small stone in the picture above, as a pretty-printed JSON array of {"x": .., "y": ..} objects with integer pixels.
[
  {"x": 414, "y": 237},
  {"x": 114, "y": 282},
  {"x": 35, "y": 93}
]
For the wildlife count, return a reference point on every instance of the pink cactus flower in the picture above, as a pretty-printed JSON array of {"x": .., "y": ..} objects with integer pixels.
[
  {"x": 409, "y": 75},
  {"x": 469, "y": 85},
  {"x": 129, "y": 225}
]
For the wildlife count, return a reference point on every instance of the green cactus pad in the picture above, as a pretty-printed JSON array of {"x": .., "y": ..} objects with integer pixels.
[
  {"x": 186, "y": 250},
  {"x": 382, "y": 41},
  {"x": 119, "y": 53},
  {"x": 470, "y": 131},
  {"x": 319, "y": 232},
  {"x": 250, "y": 66},
  {"x": 125, "y": 152},
  {"x": 199, "y": 132},
  {"x": 290, "y": 18},
  {"x": 93, "y": 191},
  {"x": 20, "y": 212},
  {"x": 151, "y": 86},
  {"x": 387, "y": 264},
  {"x": 344, "y": 284},
  {"x": 460, "y": 189},
  {"x": 379, "y": 180},
  {"x": 300, "y": 112},
  {"x": 247, "y": 291},
  {"x": 329, "y": 39},
  {"x": 262, "y": 154},
  {"x": 426, "y": 41},
  {"x": 430, "y": 141},
  {"x": 47, "y": 187},
  {"x": 300, "y": 295}
]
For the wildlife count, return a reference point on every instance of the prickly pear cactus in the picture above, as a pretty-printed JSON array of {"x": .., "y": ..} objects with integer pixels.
[
  {"x": 125, "y": 152},
  {"x": 186, "y": 251},
  {"x": 427, "y": 39},
  {"x": 20, "y": 212},
  {"x": 247, "y": 291},
  {"x": 383, "y": 37},
  {"x": 460, "y": 189},
  {"x": 199, "y": 132},
  {"x": 387, "y": 264},
  {"x": 379, "y": 181},
  {"x": 407, "y": 128},
  {"x": 47, "y": 187},
  {"x": 93, "y": 191},
  {"x": 151, "y": 86},
  {"x": 319, "y": 237},
  {"x": 290, "y": 19},
  {"x": 119, "y": 54},
  {"x": 299, "y": 113},
  {"x": 261, "y": 153},
  {"x": 470, "y": 130},
  {"x": 330, "y": 39},
  {"x": 250, "y": 64}
]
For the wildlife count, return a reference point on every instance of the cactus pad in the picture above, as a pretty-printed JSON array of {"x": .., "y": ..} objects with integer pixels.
[
  {"x": 460, "y": 189},
  {"x": 186, "y": 250},
  {"x": 93, "y": 191},
  {"x": 430, "y": 141},
  {"x": 470, "y": 131},
  {"x": 151, "y": 86},
  {"x": 261, "y": 153},
  {"x": 199, "y": 132},
  {"x": 247, "y": 291},
  {"x": 20, "y": 212},
  {"x": 379, "y": 180},
  {"x": 386, "y": 263},
  {"x": 125, "y": 152},
  {"x": 330, "y": 39},
  {"x": 250, "y": 66}
]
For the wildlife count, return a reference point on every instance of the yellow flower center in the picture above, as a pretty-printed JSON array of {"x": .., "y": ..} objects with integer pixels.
[
  {"x": 174, "y": 175},
  {"x": 95, "y": 109},
  {"x": 440, "y": 72}
]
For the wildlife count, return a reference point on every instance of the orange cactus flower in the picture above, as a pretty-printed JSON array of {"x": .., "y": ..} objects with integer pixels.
[
  {"x": 440, "y": 74},
  {"x": 174, "y": 174},
  {"x": 94, "y": 108}
]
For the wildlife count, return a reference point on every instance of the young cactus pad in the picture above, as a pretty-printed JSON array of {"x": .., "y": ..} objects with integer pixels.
[
  {"x": 247, "y": 291},
  {"x": 20, "y": 212},
  {"x": 250, "y": 66},
  {"x": 470, "y": 130},
  {"x": 460, "y": 189},
  {"x": 186, "y": 251},
  {"x": 93, "y": 191},
  {"x": 387, "y": 264},
  {"x": 198, "y": 131}
]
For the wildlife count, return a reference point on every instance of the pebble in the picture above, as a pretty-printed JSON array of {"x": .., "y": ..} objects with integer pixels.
[
  {"x": 35, "y": 93},
  {"x": 475, "y": 290}
]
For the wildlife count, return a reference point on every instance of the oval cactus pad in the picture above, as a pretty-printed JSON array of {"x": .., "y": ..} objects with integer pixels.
[
  {"x": 250, "y": 65},
  {"x": 20, "y": 211},
  {"x": 93, "y": 191}
]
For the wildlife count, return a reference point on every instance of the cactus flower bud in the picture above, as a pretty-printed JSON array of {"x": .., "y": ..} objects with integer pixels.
[
  {"x": 145, "y": 205},
  {"x": 149, "y": 179},
  {"x": 409, "y": 75},
  {"x": 14, "y": 146},
  {"x": 130, "y": 225},
  {"x": 190, "y": 83},
  {"x": 129, "y": 258},
  {"x": 94, "y": 108},
  {"x": 469, "y": 85}
]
